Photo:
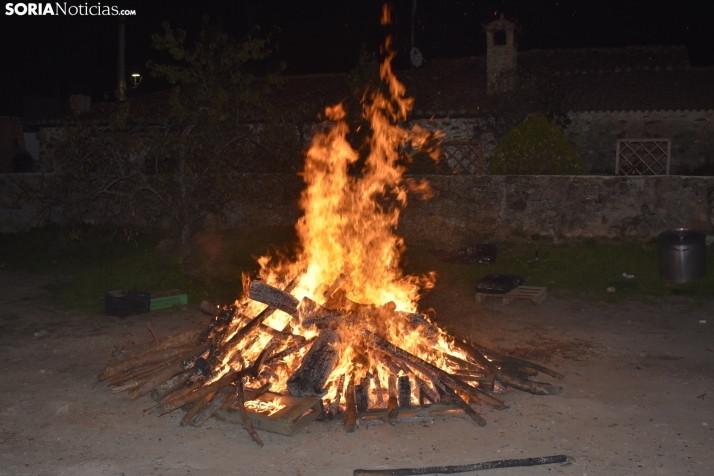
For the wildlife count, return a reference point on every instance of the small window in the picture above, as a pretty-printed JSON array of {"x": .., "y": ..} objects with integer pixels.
[{"x": 499, "y": 38}]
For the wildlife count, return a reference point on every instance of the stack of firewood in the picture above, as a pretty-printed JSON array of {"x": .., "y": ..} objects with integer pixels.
[{"x": 204, "y": 370}]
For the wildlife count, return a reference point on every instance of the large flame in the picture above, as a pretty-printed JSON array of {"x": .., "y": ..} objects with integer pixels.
[{"x": 347, "y": 235}]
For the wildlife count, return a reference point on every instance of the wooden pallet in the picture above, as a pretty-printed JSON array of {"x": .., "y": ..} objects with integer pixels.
[
  {"x": 297, "y": 414},
  {"x": 535, "y": 294}
]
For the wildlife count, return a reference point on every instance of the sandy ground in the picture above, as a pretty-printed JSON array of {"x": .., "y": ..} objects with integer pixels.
[{"x": 638, "y": 398}]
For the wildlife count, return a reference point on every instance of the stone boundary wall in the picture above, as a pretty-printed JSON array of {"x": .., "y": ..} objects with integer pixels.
[
  {"x": 467, "y": 208},
  {"x": 594, "y": 136}
]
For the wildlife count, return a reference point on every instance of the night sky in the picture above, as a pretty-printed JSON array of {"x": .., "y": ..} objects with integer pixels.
[{"x": 54, "y": 57}]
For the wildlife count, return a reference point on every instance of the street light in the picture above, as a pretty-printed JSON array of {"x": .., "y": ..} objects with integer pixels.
[{"x": 135, "y": 80}]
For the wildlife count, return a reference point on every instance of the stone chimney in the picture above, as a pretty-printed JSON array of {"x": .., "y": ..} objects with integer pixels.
[{"x": 501, "y": 53}]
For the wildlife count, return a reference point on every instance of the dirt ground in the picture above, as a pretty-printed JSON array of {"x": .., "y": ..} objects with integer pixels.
[{"x": 638, "y": 398}]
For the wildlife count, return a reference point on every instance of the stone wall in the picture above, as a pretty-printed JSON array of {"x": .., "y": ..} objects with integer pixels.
[
  {"x": 468, "y": 208},
  {"x": 594, "y": 136}
]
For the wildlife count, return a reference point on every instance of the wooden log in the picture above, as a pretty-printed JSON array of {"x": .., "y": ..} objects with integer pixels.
[
  {"x": 392, "y": 401},
  {"x": 166, "y": 373},
  {"x": 185, "y": 338},
  {"x": 517, "y": 369},
  {"x": 218, "y": 400},
  {"x": 464, "y": 468},
  {"x": 288, "y": 350},
  {"x": 414, "y": 410},
  {"x": 335, "y": 405},
  {"x": 240, "y": 401},
  {"x": 421, "y": 384},
  {"x": 274, "y": 297},
  {"x": 173, "y": 404},
  {"x": 153, "y": 357},
  {"x": 312, "y": 314},
  {"x": 433, "y": 372},
  {"x": 333, "y": 287},
  {"x": 128, "y": 385},
  {"x": 198, "y": 405},
  {"x": 362, "y": 395},
  {"x": 378, "y": 388},
  {"x": 506, "y": 378},
  {"x": 316, "y": 366},
  {"x": 404, "y": 387},
  {"x": 438, "y": 376},
  {"x": 525, "y": 385},
  {"x": 171, "y": 385},
  {"x": 496, "y": 356},
  {"x": 211, "y": 309},
  {"x": 350, "y": 420},
  {"x": 140, "y": 373}
]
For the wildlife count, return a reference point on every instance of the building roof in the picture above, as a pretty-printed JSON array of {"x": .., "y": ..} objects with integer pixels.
[{"x": 641, "y": 78}]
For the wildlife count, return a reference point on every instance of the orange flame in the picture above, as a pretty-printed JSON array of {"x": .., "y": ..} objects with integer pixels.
[{"x": 347, "y": 231}]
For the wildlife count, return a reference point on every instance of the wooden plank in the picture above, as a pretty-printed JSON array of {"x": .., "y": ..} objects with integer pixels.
[
  {"x": 536, "y": 294},
  {"x": 288, "y": 421}
]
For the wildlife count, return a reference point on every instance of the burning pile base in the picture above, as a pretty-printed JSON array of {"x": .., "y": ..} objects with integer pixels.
[{"x": 207, "y": 370}]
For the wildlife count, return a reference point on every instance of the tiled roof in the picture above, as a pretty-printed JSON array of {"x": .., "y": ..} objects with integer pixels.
[{"x": 643, "y": 78}]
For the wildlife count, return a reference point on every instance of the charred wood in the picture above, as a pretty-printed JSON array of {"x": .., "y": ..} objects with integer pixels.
[
  {"x": 335, "y": 405},
  {"x": 362, "y": 395},
  {"x": 404, "y": 387},
  {"x": 392, "y": 401},
  {"x": 350, "y": 421},
  {"x": 317, "y": 364},
  {"x": 465, "y": 468},
  {"x": 288, "y": 350},
  {"x": 274, "y": 297}
]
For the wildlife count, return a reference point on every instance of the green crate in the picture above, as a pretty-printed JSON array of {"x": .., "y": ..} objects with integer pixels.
[{"x": 168, "y": 301}]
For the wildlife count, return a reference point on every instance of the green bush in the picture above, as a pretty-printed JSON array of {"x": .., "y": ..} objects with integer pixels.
[{"x": 536, "y": 147}]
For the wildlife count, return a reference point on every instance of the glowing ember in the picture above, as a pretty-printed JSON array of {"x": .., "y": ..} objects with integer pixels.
[{"x": 266, "y": 408}]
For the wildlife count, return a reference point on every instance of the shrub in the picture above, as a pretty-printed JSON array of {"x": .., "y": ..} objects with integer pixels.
[{"x": 536, "y": 147}]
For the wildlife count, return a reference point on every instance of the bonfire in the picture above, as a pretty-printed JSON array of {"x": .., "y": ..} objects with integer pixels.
[{"x": 339, "y": 326}]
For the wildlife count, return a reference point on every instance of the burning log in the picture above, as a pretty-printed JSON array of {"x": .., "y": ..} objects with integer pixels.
[
  {"x": 438, "y": 376},
  {"x": 350, "y": 421},
  {"x": 335, "y": 406},
  {"x": 465, "y": 468},
  {"x": 333, "y": 287},
  {"x": 288, "y": 350},
  {"x": 274, "y": 297},
  {"x": 393, "y": 402},
  {"x": 378, "y": 388},
  {"x": 362, "y": 395},
  {"x": 315, "y": 315},
  {"x": 316, "y": 366},
  {"x": 404, "y": 388}
]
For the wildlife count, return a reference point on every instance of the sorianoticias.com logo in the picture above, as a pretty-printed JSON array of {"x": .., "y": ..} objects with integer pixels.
[{"x": 63, "y": 9}]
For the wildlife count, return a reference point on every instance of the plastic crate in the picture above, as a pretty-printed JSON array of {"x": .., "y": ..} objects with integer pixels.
[
  {"x": 168, "y": 301},
  {"x": 126, "y": 303}
]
